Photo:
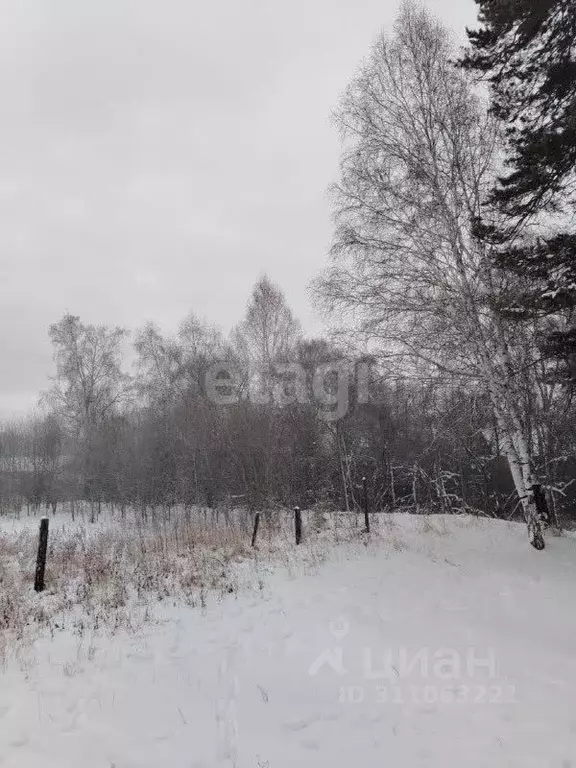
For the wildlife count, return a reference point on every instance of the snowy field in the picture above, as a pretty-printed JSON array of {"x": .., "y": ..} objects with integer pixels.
[{"x": 441, "y": 642}]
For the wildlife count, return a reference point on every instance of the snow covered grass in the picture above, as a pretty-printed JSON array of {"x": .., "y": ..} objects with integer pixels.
[
  {"x": 108, "y": 573},
  {"x": 111, "y": 573},
  {"x": 440, "y": 642}
]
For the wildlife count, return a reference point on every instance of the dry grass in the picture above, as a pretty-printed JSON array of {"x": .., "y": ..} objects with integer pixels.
[{"x": 109, "y": 575}]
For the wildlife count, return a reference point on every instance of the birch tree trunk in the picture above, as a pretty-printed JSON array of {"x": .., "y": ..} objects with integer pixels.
[
  {"x": 515, "y": 448},
  {"x": 519, "y": 463}
]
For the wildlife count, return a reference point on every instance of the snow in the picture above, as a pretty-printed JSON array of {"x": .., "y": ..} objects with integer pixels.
[{"x": 284, "y": 672}]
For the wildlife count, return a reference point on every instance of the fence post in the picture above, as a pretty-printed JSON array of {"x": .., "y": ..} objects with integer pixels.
[
  {"x": 41, "y": 560},
  {"x": 366, "y": 507},
  {"x": 298, "y": 524},
  {"x": 255, "y": 531}
]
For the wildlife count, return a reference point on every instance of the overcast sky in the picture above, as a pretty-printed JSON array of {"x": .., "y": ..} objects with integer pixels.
[{"x": 156, "y": 156}]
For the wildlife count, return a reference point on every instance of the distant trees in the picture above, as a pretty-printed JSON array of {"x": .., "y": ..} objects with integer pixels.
[
  {"x": 425, "y": 443},
  {"x": 31, "y": 463}
]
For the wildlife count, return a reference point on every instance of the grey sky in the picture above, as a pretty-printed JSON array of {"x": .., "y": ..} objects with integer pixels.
[{"x": 157, "y": 155}]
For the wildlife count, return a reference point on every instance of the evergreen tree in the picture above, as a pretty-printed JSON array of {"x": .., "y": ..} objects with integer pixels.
[{"x": 526, "y": 50}]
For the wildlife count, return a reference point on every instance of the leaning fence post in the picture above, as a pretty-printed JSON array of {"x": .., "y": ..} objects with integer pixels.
[
  {"x": 255, "y": 531},
  {"x": 41, "y": 560},
  {"x": 298, "y": 524},
  {"x": 366, "y": 508}
]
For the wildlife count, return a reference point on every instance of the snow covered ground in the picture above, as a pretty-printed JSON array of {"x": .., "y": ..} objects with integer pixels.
[{"x": 441, "y": 642}]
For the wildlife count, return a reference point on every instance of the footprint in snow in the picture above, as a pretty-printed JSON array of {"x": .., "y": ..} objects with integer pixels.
[
  {"x": 310, "y": 744},
  {"x": 300, "y": 724},
  {"x": 305, "y": 722},
  {"x": 21, "y": 741}
]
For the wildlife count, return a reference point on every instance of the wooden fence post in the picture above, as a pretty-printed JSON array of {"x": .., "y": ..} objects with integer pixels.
[
  {"x": 255, "y": 531},
  {"x": 298, "y": 524},
  {"x": 366, "y": 507},
  {"x": 41, "y": 560}
]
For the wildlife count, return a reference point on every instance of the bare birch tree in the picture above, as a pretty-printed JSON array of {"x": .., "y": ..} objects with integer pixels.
[
  {"x": 89, "y": 384},
  {"x": 88, "y": 389},
  {"x": 267, "y": 334},
  {"x": 419, "y": 154}
]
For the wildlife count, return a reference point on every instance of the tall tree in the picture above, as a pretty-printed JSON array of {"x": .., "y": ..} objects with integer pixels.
[
  {"x": 526, "y": 50},
  {"x": 267, "y": 334},
  {"x": 89, "y": 388},
  {"x": 89, "y": 384},
  {"x": 418, "y": 159}
]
